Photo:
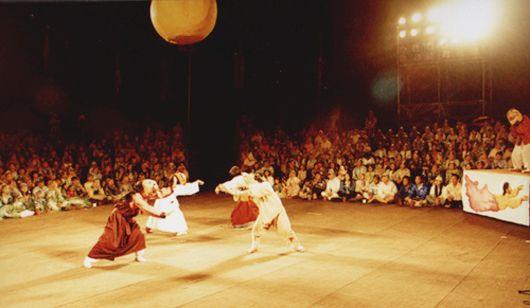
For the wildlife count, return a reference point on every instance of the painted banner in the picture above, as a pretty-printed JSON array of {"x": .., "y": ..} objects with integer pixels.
[{"x": 500, "y": 194}]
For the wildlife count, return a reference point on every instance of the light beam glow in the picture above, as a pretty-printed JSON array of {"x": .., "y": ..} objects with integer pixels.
[
  {"x": 465, "y": 21},
  {"x": 416, "y": 17}
]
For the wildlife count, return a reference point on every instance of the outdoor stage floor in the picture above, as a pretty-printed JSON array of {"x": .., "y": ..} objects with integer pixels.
[{"x": 357, "y": 255}]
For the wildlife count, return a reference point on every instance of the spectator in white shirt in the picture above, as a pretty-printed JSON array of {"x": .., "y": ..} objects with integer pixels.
[
  {"x": 293, "y": 185},
  {"x": 361, "y": 188},
  {"x": 436, "y": 196},
  {"x": 373, "y": 189},
  {"x": 332, "y": 186},
  {"x": 453, "y": 192},
  {"x": 386, "y": 190}
]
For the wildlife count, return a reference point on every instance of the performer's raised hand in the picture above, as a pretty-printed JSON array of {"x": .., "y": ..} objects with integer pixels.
[
  {"x": 218, "y": 189},
  {"x": 200, "y": 182}
]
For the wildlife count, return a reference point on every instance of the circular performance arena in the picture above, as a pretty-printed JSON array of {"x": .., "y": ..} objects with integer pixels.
[{"x": 356, "y": 254}]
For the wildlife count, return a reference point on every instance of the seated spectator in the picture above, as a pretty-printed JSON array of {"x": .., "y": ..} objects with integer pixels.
[
  {"x": 332, "y": 187},
  {"x": 453, "y": 192},
  {"x": 499, "y": 162},
  {"x": 433, "y": 173},
  {"x": 372, "y": 189},
  {"x": 9, "y": 208},
  {"x": 182, "y": 169},
  {"x": 347, "y": 188},
  {"x": 404, "y": 191},
  {"x": 386, "y": 190},
  {"x": 111, "y": 190},
  {"x": 292, "y": 185},
  {"x": 54, "y": 198},
  {"x": 125, "y": 185},
  {"x": 268, "y": 176},
  {"x": 24, "y": 199},
  {"x": 358, "y": 170},
  {"x": 39, "y": 197},
  {"x": 370, "y": 174},
  {"x": 436, "y": 196},
  {"x": 78, "y": 189},
  {"x": 279, "y": 187},
  {"x": 452, "y": 170},
  {"x": 306, "y": 192},
  {"x": 362, "y": 188},
  {"x": 94, "y": 171},
  {"x": 418, "y": 193},
  {"x": 318, "y": 185},
  {"x": 74, "y": 199},
  {"x": 96, "y": 194}
]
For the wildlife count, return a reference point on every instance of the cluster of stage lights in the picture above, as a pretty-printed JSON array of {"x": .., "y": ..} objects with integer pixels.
[{"x": 456, "y": 22}]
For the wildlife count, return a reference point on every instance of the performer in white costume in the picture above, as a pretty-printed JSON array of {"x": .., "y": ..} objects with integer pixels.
[
  {"x": 271, "y": 210},
  {"x": 246, "y": 212},
  {"x": 174, "y": 221}
]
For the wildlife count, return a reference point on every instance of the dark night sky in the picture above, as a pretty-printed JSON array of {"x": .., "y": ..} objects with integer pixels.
[{"x": 280, "y": 42}]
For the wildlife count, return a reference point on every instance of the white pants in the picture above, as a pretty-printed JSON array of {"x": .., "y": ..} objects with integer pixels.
[
  {"x": 283, "y": 225},
  {"x": 521, "y": 157}
]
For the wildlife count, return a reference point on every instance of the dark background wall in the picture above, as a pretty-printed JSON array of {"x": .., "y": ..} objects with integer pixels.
[{"x": 262, "y": 60}]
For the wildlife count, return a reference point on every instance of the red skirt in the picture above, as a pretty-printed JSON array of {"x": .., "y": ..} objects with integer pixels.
[
  {"x": 245, "y": 212},
  {"x": 121, "y": 237}
]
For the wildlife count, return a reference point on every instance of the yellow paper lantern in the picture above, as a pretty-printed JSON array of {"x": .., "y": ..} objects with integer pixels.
[{"x": 183, "y": 22}]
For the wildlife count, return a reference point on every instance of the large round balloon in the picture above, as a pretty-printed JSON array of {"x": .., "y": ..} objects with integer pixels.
[{"x": 183, "y": 22}]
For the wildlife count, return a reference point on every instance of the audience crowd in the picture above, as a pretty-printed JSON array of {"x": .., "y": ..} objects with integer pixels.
[
  {"x": 38, "y": 175},
  {"x": 413, "y": 167}
]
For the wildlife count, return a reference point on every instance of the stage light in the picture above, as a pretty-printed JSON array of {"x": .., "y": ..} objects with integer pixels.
[
  {"x": 437, "y": 14},
  {"x": 466, "y": 20},
  {"x": 402, "y": 21},
  {"x": 402, "y": 34},
  {"x": 414, "y": 32},
  {"x": 430, "y": 30},
  {"x": 416, "y": 17}
]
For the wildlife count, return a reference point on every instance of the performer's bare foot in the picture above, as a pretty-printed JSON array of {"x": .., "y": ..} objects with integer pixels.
[
  {"x": 89, "y": 262},
  {"x": 252, "y": 249}
]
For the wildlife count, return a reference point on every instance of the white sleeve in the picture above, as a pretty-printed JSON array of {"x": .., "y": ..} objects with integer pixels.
[
  {"x": 186, "y": 189},
  {"x": 261, "y": 190},
  {"x": 234, "y": 184}
]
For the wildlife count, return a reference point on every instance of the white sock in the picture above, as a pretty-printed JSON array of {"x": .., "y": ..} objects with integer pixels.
[
  {"x": 140, "y": 256},
  {"x": 88, "y": 262}
]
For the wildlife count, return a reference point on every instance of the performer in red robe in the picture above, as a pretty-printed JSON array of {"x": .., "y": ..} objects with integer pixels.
[
  {"x": 520, "y": 135},
  {"x": 122, "y": 234}
]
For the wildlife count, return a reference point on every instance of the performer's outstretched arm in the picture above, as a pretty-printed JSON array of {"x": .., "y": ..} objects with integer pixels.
[
  {"x": 142, "y": 204},
  {"x": 231, "y": 187},
  {"x": 186, "y": 189}
]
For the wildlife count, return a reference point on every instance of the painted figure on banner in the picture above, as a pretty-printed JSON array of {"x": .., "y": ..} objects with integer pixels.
[{"x": 482, "y": 200}]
